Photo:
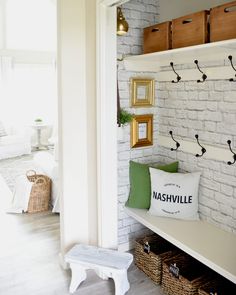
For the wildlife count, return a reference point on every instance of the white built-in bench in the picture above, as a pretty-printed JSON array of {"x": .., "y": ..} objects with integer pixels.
[
  {"x": 106, "y": 263},
  {"x": 207, "y": 243}
]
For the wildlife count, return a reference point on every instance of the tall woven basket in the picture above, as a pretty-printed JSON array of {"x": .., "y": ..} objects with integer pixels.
[
  {"x": 40, "y": 195},
  {"x": 151, "y": 263}
]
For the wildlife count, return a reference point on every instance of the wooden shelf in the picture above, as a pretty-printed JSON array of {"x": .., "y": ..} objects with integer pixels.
[
  {"x": 215, "y": 51},
  {"x": 207, "y": 243}
]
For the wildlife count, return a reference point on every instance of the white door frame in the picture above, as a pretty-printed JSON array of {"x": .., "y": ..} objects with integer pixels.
[{"x": 106, "y": 123}]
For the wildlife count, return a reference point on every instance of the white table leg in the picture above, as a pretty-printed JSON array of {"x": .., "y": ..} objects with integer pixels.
[
  {"x": 121, "y": 282},
  {"x": 78, "y": 276}
]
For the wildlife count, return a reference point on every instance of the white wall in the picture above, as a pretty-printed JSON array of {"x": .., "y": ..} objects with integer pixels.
[
  {"x": 76, "y": 75},
  {"x": 170, "y": 9}
]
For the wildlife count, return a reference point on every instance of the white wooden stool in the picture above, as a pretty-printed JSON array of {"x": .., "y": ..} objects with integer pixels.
[{"x": 106, "y": 263}]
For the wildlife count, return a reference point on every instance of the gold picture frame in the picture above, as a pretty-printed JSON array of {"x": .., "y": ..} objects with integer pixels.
[
  {"x": 142, "y": 92},
  {"x": 142, "y": 130}
]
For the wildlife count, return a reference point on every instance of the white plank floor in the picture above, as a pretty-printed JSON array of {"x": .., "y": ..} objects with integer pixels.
[{"x": 29, "y": 250}]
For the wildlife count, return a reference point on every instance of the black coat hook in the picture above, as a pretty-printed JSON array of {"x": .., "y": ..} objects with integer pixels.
[
  {"x": 234, "y": 155},
  {"x": 176, "y": 142},
  {"x": 231, "y": 62},
  {"x": 204, "y": 76},
  {"x": 178, "y": 76},
  {"x": 202, "y": 148}
]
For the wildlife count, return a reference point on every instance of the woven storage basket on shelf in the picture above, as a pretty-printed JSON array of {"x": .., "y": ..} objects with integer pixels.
[
  {"x": 151, "y": 264},
  {"x": 218, "y": 286},
  {"x": 190, "y": 275},
  {"x": 40, "y": 195}
]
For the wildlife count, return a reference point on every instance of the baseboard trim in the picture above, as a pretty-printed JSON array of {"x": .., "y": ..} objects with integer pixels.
[{"x": 126, "y": 246}]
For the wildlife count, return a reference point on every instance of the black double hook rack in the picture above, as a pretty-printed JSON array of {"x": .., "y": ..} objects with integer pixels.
[
  {"x": 230, "y": 57},
  {"x": 176, "y": 142},
  {"x": 204, "y": 76},
  {"x": 203, "y": 150},
  {"x": 234, "y": 155},
  {"x": 177, "y": 75}
]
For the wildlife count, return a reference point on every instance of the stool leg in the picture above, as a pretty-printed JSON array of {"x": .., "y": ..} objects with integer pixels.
[
  {"x": 78, "y": 276},
  {"x": 121, "y": 282}
]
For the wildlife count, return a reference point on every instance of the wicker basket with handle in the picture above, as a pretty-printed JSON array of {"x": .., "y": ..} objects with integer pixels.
[
  {"x": 150, "y": 262},
  {"x": 40, "y": 195}
]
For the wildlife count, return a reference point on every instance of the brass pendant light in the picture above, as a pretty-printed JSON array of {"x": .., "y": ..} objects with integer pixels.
[{"x": 122, "y": 25}]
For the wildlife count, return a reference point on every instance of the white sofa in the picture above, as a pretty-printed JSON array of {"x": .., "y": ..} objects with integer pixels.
[{"x": 14, "y": 144}]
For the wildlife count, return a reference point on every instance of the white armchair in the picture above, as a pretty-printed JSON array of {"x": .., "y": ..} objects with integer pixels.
[{"x": 15, "y": 143}]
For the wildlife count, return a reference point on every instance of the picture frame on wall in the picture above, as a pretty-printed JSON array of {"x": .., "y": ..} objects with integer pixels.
[
  {"x": 142, "y": 92},
  {"x": 142, "y": 131}
]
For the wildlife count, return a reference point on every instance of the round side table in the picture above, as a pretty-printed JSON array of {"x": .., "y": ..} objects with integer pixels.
[{"x": 39, "y": 145}]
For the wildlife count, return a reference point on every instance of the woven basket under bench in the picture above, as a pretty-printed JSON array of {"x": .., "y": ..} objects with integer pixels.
[
  {"x": 151, "y": 263},
  {"x": 40, "y": 195},
  {"x": 184, "y": 275},
  {"x": 218, "y": 286}
]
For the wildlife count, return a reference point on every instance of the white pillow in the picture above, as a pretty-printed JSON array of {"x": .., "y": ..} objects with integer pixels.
[{"x": 174, "y": 195}]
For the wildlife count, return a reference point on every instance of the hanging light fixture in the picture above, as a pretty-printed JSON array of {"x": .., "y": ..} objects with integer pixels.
[{"x": 122, "y": 25}]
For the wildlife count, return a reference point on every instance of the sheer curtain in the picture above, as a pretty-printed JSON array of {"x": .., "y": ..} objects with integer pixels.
[{"x": 27, "y": 92}]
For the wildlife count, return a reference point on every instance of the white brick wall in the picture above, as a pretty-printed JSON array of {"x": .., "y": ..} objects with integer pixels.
[
  {"x": 139, "y": 14},
  {"x": 187, "y": 108}
]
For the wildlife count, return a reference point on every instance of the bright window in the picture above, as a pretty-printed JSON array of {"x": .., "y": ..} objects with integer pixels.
[
  {"x": 28, "y": 92},
  {"x": 31, "y": 25}
]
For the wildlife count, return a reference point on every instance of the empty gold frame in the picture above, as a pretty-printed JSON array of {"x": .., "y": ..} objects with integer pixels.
[
  {"x": 142, "y": 131},
  {"x": 142, "y": 92}
]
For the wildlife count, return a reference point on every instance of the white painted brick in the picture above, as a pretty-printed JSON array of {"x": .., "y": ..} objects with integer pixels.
[
  {"x": 120, "y": 224},
  {"x": 124, "y": 155},
  {"x": 210, "y": 184},
  {"x": 136, "y": 153},
  {"x": 227, "y": 210},
  {"x": 226, "y": 128},
  {"x": 124, "y": 231},
  {"x": 212, "y": 105},
  {"x": 226, "y": 189},
  {"x": 213, "y": 204},
  {"x": 230, "y": 170},
  {"x": 196, "y": 105},
  {"x": 216, "y": 96},
  {"x": 223, "y": 199},
  {"x": 225, "y": 179},
  {"x": 193, "y": 115},
  {"x": 227, "y": 107},
  {"x": 192, "y": 95},
  {"x": 210, "y": 126},
  {"x": 129, "y": 221},
  {"x": 207, "y": 192},
  {"x": 229, "y": 118},
  {"x": 123, "y": 239},
  {"x": 204, "y": 210},
  {"x": 230, "y": 96},
  {"x": 221, "y": 86},
  {"x": 203, "y": 95}
]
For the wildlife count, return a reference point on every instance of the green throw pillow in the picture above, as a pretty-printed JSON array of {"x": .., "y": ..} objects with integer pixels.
[{"x": 140, "y": 183}]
